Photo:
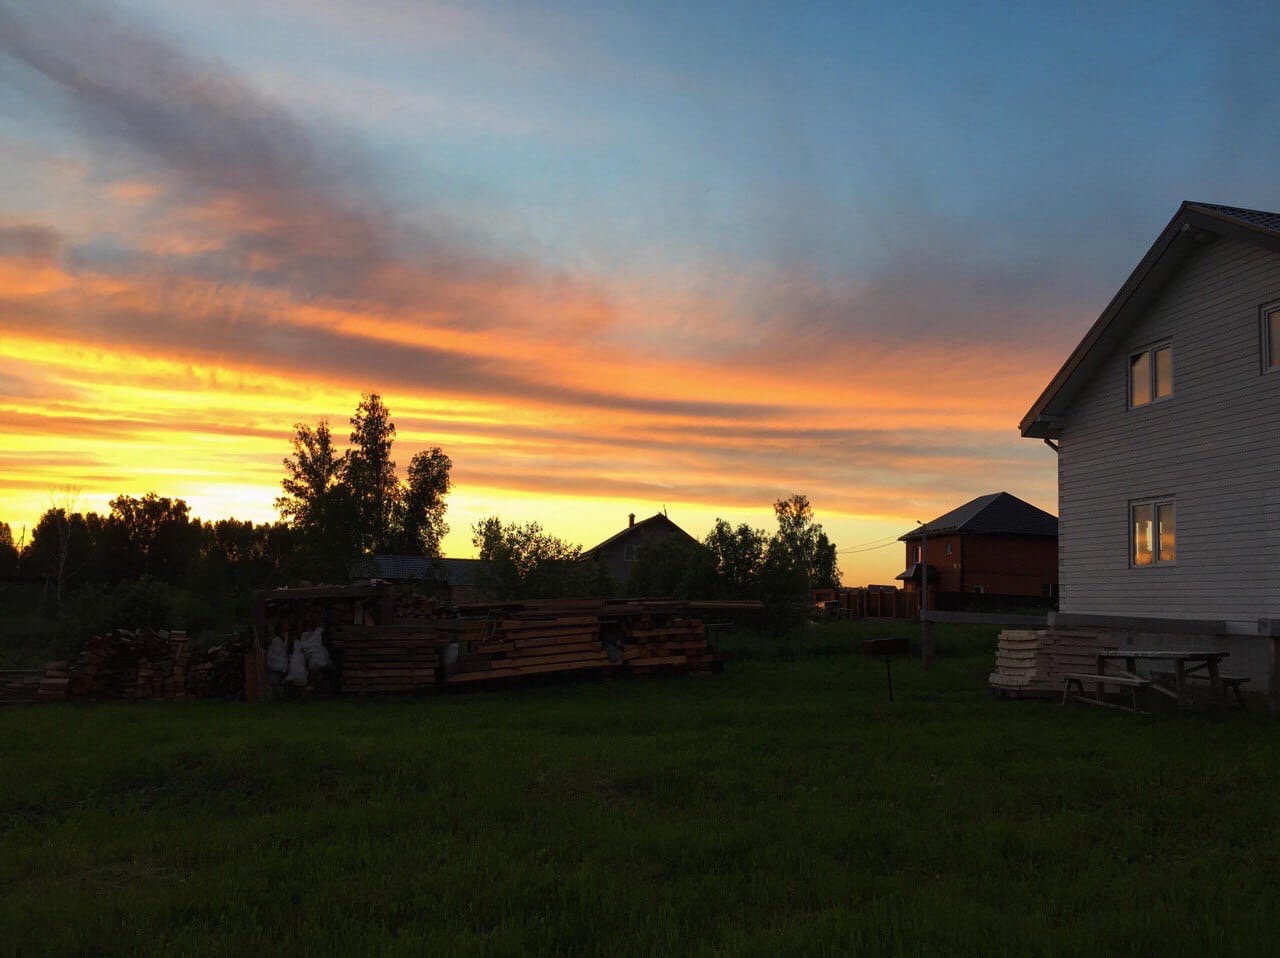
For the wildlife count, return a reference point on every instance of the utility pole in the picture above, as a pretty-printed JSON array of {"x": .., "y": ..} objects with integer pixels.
[{"x": 926, "y": 631}]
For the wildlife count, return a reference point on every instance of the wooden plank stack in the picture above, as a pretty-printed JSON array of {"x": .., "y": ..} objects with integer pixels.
[
  {"x": 1034, "y": 663},
  {"x": 535, "y": 646},
  {"x": 389, "y": 658},
  {"x": 679, "y": 645},
  {"x": 53, "y": 684}
]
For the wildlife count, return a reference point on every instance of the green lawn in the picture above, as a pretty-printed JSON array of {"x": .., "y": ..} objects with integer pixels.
[{"x": 784, "y": 807}]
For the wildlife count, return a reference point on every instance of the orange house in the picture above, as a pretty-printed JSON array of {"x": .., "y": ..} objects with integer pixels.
[{"x": 995, "y": 545}]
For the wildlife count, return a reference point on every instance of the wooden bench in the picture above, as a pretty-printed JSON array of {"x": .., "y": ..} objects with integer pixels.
[
  {"x": 1080, "y": 679},
  {"x": 1230, "y": 683}
]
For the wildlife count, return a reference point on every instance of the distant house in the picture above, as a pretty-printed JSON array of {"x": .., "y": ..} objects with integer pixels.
[
  {"x": 456, "y": 581},
  {"x": 1164, "y": 420},
  {"x": 619, "y": 552},
  {"x": 994, "y": 545}
]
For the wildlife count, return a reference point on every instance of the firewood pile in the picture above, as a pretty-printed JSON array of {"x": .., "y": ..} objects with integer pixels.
[
  {"x": 412, "y": 605},
  {"x": 218, "y": 672},
  {"x": 138, "y": 664},
  {"x": 1033, "y": 663}
]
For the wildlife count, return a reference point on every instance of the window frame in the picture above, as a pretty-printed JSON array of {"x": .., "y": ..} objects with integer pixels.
[
  {"x": 1150, "y": 352},
  {"x": 1265, "y": 312},
  {"x": 630, "y": 552},
  {"x": 1155, "y": 502}
]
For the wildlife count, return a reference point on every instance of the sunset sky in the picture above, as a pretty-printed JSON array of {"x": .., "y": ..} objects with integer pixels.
[{"x": 610, "y": 257}]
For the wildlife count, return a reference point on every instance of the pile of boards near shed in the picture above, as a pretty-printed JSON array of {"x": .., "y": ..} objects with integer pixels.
[
  {"x": 386, "y": 641},
  {"x": 637, "y": 637},
  {"x": 1033, "y": 664}
]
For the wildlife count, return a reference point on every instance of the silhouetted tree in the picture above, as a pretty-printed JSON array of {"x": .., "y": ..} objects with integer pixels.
[
  {"x": 800, "y": 558},
  {"x": 524, "y": 562},
  {"x": 8, "y": 552},
  {"x": 310, "y": 475},
  {"x": 739, "y": 556},
  {"x": 370, "y": 473},
  {"x": 422, "y": 504},
  {"x": 675, "y": 567}
]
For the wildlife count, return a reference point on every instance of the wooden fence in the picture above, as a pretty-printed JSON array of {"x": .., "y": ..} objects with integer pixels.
[{"x": 870, "y": 602}]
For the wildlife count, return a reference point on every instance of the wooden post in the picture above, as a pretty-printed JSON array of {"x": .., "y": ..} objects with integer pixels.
[{"x": 926, "y": 630}]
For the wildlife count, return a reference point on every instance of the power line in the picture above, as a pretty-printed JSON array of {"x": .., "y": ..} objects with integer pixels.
[
  {"x": 868, "y": 549},
  {"x": 869, "y": 542}
]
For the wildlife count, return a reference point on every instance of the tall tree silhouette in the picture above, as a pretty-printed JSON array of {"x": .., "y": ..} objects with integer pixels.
[{"x": 371, "y": 473}]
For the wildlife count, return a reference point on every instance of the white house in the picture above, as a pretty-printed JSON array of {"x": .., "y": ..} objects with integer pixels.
[{"x": 1166, "y": 419}]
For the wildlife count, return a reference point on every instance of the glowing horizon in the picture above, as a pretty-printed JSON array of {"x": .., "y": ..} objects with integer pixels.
[{"x": 608, "y": 260}]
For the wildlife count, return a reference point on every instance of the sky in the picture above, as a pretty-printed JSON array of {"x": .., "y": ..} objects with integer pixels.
[{"x": 612, "y": 258}]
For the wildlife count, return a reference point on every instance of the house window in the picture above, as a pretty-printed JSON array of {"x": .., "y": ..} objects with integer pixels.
[
  {"x": 1151, "y": 374},
  {"x": 979, "y": 589},
  {"x": 1271, "y": 337},
  {"x": 948, "y": 548},
  {"x": 915, "y": 553},
  {"x": 1154, "y": 532},
  {"x": 630, "y": 553}
]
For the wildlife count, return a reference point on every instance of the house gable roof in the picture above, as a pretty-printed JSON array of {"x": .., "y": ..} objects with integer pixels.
[
  {"x": 1192, "y": 226},
  {"x": 996, "y": 514},
  {"x": 654, "y": 522}
]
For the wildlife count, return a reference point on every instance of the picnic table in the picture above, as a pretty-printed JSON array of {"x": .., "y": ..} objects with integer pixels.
[{"x": 1186, "y": 664}]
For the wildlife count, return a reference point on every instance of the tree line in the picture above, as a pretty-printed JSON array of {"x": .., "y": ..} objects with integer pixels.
[{"x": 147, "y": 560}]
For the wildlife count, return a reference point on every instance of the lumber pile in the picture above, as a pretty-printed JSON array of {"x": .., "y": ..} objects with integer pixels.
[
  {"x": 53, "y": 684},
  {"x": 390, "y": 659},
  {"x": 534, "y": 646},
  {"x": 20, "y": 685},
  {"x": 584, "y": 636},
  {"x": 1034, "y": 663},
  {"x": 413, "y": 605}
]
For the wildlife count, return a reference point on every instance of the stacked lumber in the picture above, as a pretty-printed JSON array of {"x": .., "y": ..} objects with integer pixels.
[
  {"x": 679, "y": 645},
  {"x": 20, "y": 685},
  {"x": 544, "y": 638},
  {"x": 53, "y": 684},
  {"x": 1034, "y": 663},
  {"x": 535, "y": 646},
  {"x": 389, "y": 659}
]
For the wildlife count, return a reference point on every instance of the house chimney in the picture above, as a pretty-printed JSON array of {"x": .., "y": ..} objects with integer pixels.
[{"x": 631, "y": 519}]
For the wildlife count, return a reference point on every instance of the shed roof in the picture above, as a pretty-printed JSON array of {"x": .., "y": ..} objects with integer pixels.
[
  {"x": 996, "y": 514},
  {"x": 1193, "y": 225},
  {"x": 454, "y": 572}
]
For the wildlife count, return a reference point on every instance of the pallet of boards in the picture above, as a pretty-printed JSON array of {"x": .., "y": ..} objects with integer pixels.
[
  {"x": 400, "y": 659},
  {"x": 1035, "y": 663},
  {"x": 53, "y": 684}
]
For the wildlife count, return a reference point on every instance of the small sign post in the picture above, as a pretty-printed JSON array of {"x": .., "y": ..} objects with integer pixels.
[{"x": 887, "y": 648}]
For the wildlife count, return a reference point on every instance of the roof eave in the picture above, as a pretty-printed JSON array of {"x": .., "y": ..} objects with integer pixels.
[{"x": 1192, "y": 220}]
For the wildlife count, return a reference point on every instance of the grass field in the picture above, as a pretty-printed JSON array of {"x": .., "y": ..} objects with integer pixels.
[{"x": 784, "y": 807}]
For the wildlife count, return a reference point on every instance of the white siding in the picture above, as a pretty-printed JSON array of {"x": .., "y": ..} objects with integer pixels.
[{"x": 1214, "y": 446}]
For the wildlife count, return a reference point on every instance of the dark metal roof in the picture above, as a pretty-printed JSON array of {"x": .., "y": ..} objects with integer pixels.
[
  {"x": 1192, "y": 225},
  {"x": 454, "y": 572},
  {"x": 658, "y": 519},
  {"x": 913, "y": 573},
  {"x": 1257, "y": 218},
  {"x": 996, "y": 514}
]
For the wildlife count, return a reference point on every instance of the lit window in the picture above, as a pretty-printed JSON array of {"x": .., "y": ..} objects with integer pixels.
[
  {"x": 1151, "y": 374},
  {"x": 1154, "y": 533},
  {"x": 1271, "y": 337}
]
